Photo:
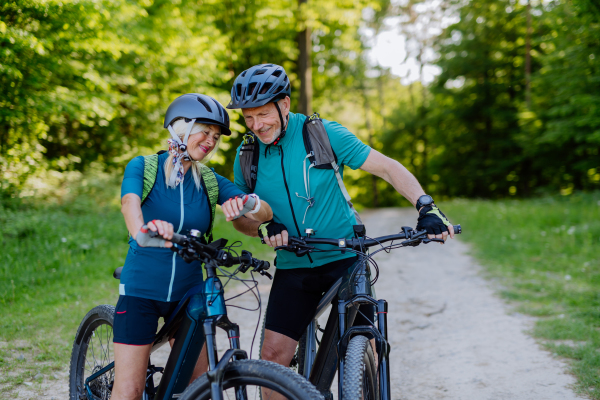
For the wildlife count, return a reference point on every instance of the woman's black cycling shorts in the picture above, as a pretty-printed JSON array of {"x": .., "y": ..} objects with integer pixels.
[
  {"x": 136, "y": 319},
  {"x": 296, "y": 293}
]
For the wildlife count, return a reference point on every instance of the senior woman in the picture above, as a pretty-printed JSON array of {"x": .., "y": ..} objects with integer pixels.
[{"x": 153, "y": 279}]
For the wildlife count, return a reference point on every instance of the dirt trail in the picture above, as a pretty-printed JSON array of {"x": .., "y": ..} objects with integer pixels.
[{"x": 451, "y": 337}]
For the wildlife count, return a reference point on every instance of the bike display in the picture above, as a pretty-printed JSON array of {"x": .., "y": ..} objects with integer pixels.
[
  {"x": 192, "y": 324},
  {"x": 363, "y": 368}
]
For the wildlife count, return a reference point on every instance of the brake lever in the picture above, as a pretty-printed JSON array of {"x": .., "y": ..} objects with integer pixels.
[
  {"x": 433, "y": 240},
  {"x": 265, "y": 273}
]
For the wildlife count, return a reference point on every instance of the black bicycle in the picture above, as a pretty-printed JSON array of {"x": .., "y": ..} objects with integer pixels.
[
  {"x": 344, "y": 348},
  {"x": 193, "y": 324}
]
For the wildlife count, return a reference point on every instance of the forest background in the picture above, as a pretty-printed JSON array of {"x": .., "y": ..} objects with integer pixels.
[
  {"x": 513, "y": 109},
  {"x": 500, "y": 100}
]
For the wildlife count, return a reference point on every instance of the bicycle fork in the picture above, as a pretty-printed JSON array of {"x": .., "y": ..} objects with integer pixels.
[{"x": 380, "y": 335}]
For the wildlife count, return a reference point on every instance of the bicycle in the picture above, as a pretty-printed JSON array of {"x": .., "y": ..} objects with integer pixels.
[
  {"x": 345, "y": 348},
  {"x": 192, "y": 324}
]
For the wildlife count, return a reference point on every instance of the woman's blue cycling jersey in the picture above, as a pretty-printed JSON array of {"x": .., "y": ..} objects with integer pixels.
[{"x": 158, "y": 273}]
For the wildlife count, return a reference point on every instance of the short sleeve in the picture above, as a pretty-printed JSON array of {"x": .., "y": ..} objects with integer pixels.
[
  {"x": 133, "y": 180},
  {"x": 348, "y": 149},
  {"x": 227, "y": 189},
  {"x": 238, "y": 176}
]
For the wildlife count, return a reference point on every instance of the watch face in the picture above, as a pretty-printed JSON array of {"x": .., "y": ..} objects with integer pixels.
[{"x": 425, "y": 200}]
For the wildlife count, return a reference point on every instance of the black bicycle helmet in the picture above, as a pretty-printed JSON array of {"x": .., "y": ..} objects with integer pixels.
[
  {"x": 200, "y": 107},
  {"x": 260, "y": 85}
]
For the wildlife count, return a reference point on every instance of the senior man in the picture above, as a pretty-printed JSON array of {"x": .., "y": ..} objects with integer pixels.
[{"x": 263, "y": 93}]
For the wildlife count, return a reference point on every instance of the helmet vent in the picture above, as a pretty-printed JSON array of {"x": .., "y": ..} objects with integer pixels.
[
  {"x": 205, "y": 104},
  {"x": 220, "y": 112},
  {"x": 238, "y": 90},
  {"x": 279, "y": 89},
  {"x": 260, "y": 72},
  {"x": 244, "y": 73},
  {"x": 251, "y": 88},
  {"x": 265, "y": 88},
  {"x": 277, "y": 73}
]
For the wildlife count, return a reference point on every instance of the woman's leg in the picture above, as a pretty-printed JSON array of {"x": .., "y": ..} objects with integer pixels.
[{"x": 131, "y": 363}]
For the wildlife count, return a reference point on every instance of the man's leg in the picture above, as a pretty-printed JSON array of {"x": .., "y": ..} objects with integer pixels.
[{"x": 279, "y": 349}]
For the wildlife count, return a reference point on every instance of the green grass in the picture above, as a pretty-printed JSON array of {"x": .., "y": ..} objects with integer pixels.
[
  {"x": 546, "y": 255},
  {"x": 56, "y": 264}
]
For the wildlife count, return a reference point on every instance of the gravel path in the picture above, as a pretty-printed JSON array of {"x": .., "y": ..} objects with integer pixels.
[{"x": 451, "y": 337}]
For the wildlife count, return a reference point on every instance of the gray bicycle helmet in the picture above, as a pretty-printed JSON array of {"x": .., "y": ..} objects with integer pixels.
[
  {"x": 200, "y": 107},
  {"x": 259, "y": 85}
]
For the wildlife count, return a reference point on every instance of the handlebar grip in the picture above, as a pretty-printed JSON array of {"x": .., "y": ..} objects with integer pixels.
[
  {"x": 178, "y": 239},
  {"x": 457, "y": 229}
]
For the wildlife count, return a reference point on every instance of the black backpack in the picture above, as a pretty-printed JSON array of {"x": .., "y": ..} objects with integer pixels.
[{"x": 318, "y": 151}]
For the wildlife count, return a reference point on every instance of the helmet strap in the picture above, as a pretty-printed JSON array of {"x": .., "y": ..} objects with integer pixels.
[{"x": 283, "y": 128}]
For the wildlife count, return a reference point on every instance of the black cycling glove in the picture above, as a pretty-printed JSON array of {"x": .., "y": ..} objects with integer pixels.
[
  {"x": 432, "y": 220},
  {"x": 270, "y": 228}
]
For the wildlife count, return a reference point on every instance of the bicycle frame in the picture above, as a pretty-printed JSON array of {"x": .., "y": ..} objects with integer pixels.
[
  {"x": 353, "y": 290},
  {"x": 193, "y": 323}
]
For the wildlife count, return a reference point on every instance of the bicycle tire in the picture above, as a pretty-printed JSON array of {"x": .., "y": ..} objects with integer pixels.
[
  {"x": 360, "y": 372},
  {"x": 94, "y": 331},
  {"x": 252, "y": 375}
]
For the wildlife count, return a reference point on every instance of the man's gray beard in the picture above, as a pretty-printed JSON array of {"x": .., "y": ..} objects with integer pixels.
[{"x": 275, "y": 136}]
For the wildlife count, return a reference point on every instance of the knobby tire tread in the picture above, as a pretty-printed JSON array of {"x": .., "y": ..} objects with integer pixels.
[
  {"x": 359, "y": 365},
  {"x": 259, "y": 372}
]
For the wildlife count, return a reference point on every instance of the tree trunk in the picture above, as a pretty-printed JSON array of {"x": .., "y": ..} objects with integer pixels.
[
  {"x": 528, "y": 58},
  {"x": 305, "y": 68}
]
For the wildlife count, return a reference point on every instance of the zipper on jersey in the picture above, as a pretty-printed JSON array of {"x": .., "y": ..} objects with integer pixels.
[{"x": 290, "y": 199}]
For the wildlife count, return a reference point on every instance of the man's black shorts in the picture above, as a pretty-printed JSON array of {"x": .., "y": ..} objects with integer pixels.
[
  {"x": 296, "y": 293},
  {"x": 136, "y": 319}
]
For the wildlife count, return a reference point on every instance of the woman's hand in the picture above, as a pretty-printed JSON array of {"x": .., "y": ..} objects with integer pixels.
[
  {"x": 232, "y": 208},
  {"x": 238, "y": 206},
  {"x": 164, "y": 229}
]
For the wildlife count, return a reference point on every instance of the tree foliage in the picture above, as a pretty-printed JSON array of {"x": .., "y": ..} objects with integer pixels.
[{"x": 87, "y": 81}]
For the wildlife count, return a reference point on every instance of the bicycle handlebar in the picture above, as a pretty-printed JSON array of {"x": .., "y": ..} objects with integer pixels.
[
  {"x": 299, "y": 246},
  {"x": 192, "y": 249}
]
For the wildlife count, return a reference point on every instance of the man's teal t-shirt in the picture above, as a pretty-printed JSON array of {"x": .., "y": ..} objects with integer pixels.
[
  {"x": 330, "y": 216},
  {"x": 158, "y": 273}
]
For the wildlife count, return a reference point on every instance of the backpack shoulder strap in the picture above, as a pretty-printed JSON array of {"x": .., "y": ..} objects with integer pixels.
[
  {"x": 150, "y": 172},
  {"x": 321, "y": 154},
  {"x": 211, "y": 188},
  {"x": 249, "y": 154}
]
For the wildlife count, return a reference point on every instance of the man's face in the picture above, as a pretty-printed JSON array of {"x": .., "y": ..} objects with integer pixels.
[{"x": 264, "y": 120}]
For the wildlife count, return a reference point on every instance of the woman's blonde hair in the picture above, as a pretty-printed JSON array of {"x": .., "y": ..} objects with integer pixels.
[{"x": 180, "y": 127}]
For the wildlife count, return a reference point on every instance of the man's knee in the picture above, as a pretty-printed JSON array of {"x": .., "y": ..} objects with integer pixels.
[
  {"x": 278, "y": 348},
  {"x": 270, "y": 353}
]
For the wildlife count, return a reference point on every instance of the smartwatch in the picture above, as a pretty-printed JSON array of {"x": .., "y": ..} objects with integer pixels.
[{"x": 425, "y": 200}]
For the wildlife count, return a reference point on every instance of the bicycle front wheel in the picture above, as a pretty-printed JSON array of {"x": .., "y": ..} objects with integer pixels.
[
  {"x": 360, "y": 372},
  {"x": 92, "y": 351},
  {"x": 249, "y": 377}
]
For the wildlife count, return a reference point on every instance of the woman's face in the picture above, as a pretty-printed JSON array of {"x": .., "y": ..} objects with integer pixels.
[{"x": 200, "y": 144}]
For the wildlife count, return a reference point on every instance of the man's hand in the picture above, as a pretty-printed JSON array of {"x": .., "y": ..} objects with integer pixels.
[
  {"x": 273, "y": 234},
  {"x": 435, "y": 223}
]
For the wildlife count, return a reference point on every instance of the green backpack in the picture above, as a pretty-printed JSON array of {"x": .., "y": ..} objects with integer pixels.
[{"x": 209, "y": 184}]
